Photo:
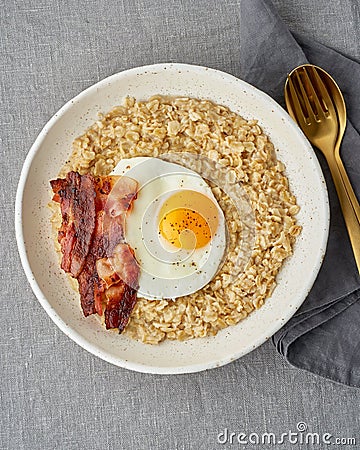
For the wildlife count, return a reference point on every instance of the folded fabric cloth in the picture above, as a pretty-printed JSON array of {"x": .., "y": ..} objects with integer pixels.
[{"x": 323, "y": 337}]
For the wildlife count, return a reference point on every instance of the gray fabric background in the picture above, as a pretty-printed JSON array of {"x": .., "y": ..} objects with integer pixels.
[{"x": 53, "y": 393}]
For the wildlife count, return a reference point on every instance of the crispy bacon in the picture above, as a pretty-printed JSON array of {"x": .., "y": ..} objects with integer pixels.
[
  {"x": 129, "y": 302},
  {"x": 106, "y": 272},
  {"x": 115, "y": 299},
  {"x": 121, "y": 262},
  {"x": 118, "y": 308},
  {"x": 92, "y": 243},
  {"x": 122, "y": 195},
  {"x": 77, "y": 200},
  {"x": 91, "y": 286},
  {"x": 121, "y": 301}
]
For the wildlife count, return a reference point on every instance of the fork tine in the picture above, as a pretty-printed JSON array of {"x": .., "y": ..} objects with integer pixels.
[
  {"x": 314, "y": 96},
  {"x": 305, "y": 98},
  {"x": 299, "y": 115},
  {"x": 325, "y": 97}
]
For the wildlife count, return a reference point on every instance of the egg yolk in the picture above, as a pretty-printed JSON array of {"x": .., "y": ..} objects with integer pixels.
[{"x": 188, "y": 219}]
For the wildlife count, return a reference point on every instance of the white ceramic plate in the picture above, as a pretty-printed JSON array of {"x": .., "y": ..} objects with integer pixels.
[{"x": 40, "y": 262}]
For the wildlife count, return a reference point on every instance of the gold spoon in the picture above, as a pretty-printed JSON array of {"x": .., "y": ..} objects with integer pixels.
[
  {"x": 340, "y": 108},
  {"x": 309, "y": 102}
]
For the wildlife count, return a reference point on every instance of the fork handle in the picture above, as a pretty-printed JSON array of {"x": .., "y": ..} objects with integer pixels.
[
  {"x": 347, "y": 184},
  {"x": 351, "y": 221}
]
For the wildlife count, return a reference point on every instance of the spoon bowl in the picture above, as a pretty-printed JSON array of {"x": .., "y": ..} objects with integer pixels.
[{"x": 340, "y": 108}]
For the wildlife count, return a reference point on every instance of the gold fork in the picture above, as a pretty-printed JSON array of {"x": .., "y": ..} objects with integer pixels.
[{"x": 311, "y": 107}]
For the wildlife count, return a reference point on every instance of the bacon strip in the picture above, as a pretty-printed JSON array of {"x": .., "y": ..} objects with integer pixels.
[
  {"x": 115, "y": 297},
  {"x": 129, "y": 302},
  {"x": 122, "y": 261},
  {"x": 91, "y": 287},
  {"x": 77, "y": 199},
  {"x": 91, "y": 238},
  {"x": 121, "y": 301},
  {"x": 118, "y": 308}
]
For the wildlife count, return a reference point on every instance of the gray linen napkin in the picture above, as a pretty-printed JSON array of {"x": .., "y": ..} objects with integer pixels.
[{"x": 323, "y": 337}]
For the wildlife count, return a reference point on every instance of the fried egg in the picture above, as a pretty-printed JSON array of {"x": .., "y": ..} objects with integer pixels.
[{"x": 175, "y": 227}]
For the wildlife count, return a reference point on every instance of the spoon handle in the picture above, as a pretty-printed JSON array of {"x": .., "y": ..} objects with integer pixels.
[
  {"x": 347, "y": 184},
  {"x": 351, "y": 221}
]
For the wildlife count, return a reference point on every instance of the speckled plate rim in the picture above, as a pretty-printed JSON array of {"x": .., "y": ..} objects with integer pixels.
[{"x": 77, "y": 337}]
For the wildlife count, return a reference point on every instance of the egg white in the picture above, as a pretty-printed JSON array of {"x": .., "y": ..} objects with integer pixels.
[{"x": 167, "y": 272}]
